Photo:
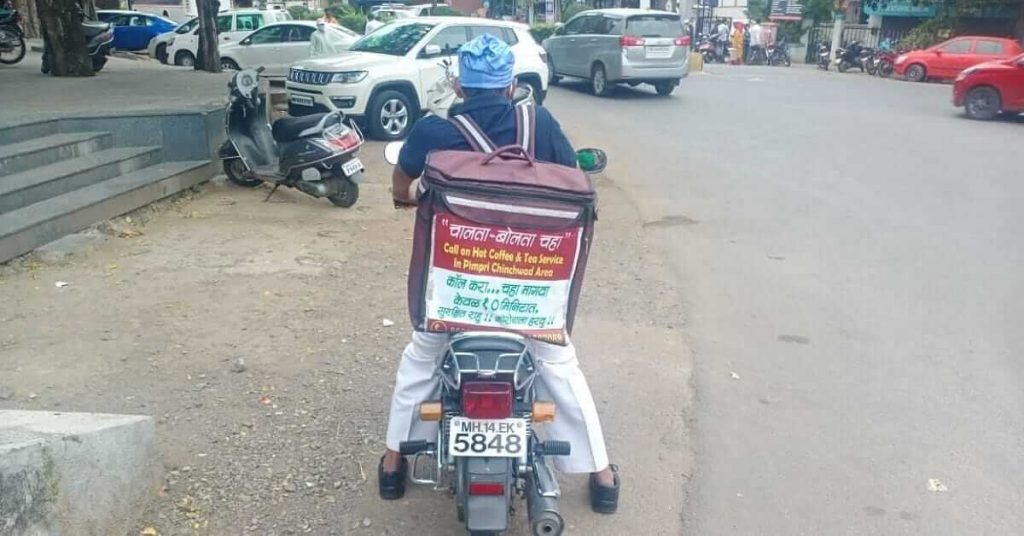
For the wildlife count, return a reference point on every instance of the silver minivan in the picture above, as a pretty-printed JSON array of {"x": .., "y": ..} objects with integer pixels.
[{"x": 612, "y": 46}]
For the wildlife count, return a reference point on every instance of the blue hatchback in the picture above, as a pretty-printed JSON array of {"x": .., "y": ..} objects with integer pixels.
[{"x": 133, "y": 29}]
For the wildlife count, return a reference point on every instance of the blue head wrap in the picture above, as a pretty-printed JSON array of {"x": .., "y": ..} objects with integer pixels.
[{"x": 486, "y": 63}]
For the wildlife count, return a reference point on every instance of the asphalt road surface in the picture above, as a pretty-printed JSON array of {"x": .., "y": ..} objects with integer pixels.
[{"x": 849, "y": 258}]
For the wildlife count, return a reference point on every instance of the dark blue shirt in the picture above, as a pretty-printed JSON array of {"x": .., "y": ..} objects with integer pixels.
[{"x": 495, "y": 115}]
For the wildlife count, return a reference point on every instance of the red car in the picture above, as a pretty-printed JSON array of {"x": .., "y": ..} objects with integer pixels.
[
  {"x": 946, "y": 60},
  {"x": 987, "y": 89}
]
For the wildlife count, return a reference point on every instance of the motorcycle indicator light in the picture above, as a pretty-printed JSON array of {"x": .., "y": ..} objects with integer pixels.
[
  {"x": 487, "y": 400},
  {"x": 431, "y": 411},
  {"x": 486, "y": 488},
  {"x": 543, "y": 412}
]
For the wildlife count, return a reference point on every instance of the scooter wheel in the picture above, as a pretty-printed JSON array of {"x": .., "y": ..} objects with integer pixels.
[
  {"x": 237, "y": 173},
  {"x": 348, "y": 194}
]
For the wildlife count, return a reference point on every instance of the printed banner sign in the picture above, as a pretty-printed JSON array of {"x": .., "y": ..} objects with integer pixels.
[{"x": 491, "y": 278}]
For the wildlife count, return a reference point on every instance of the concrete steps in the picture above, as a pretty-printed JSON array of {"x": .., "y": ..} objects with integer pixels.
[{"x": 53, "y": 183}]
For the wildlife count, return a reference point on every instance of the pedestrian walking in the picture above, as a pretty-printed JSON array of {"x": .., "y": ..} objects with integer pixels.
[{"x": 756, "y": 42}]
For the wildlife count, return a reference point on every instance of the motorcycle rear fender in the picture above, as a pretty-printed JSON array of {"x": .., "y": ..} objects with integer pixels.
[{"x": 487, "y": 513}]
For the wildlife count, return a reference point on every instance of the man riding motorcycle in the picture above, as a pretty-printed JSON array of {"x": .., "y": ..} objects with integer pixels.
[{"x": 486, "y": 83}]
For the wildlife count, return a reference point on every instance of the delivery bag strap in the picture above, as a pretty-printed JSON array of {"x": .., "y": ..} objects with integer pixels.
[{"x": 526, "y": 130}]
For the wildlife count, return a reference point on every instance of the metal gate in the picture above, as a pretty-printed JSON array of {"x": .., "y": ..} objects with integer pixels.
[{"x": 867, "y": 35}]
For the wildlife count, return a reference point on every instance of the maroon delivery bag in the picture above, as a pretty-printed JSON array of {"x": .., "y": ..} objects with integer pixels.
[{"x": 501, "y": 240}]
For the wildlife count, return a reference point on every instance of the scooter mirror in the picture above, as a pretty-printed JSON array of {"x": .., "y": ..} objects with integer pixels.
[
  {"x": 391, "y": 151},
  {"x": 592, "y": 161}
]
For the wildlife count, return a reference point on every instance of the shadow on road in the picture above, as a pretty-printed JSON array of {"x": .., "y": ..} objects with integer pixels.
[{"x": 618, "y": 92}]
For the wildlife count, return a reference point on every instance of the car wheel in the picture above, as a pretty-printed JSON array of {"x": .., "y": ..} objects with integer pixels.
[
  {"x": 916, "y": 73},
  {"x": 184, "y": 58},
  {"x": 599, "y": 81},
  {"x": 666, "y": 87},
  {"x": 228, "y": 64},
  {"x": 390, "y": 115},
  {"x": 982, "y": 103},
  {"x": 161, "y": 53}
]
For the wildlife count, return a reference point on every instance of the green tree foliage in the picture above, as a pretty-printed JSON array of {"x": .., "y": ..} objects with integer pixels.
[
  {"x": 542, "y": 31},
  {"x": 757, "y": 10},
  {"x": 571, "y": 10}
]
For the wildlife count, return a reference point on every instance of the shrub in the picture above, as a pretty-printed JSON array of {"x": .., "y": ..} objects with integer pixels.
[
  {"x": 301, "y": 13},
  {"x": 572, "y": 10},
  {"x": 542, "y": 31},
  {"x": 446, "y": 11},
  {"x": 353, "y": 21}
]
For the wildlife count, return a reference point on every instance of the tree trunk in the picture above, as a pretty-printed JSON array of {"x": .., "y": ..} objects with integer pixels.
[
  {"x": 61, "y": 24},
  {"x": 30, "y": 23},
  {"x": 208, "y": 54}
]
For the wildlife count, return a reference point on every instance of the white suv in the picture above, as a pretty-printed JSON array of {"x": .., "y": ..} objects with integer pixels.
[
  {"x": 385, "y": 75},
  {"x": 232, "y": 27}
]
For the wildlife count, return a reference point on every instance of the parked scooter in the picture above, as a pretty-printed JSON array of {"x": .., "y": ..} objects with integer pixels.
[
  {"x": 824, "y": 55},
  {"x": 98, "y": 39},
  {"x": 778, "y": 53},
  {"x": 12, "y": 38},
  {"x": 488, "y": 384},
  {"x": 708, "y": 49},
  {"x": 315, "y": 153}
]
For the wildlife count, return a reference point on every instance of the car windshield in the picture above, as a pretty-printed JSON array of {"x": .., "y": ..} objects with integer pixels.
[
  {"x": 393, "y": 39},
  {"x": 654, "y": 26}
]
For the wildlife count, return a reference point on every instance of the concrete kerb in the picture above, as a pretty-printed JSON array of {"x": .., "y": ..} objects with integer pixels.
[{"x": 75, "y": 473}]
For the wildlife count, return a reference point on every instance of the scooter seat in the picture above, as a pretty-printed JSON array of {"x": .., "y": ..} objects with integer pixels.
[{"x": 291, "y": 128}]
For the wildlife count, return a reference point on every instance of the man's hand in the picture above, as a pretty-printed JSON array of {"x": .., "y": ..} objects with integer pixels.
[{"x": 403, "y": 187}]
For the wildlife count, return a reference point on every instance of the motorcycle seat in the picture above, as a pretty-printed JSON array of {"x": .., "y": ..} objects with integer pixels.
[{"x": 291, "y": 128}]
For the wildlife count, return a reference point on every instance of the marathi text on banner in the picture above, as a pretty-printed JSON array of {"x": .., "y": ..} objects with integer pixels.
[{"x": 484, "y": 277}]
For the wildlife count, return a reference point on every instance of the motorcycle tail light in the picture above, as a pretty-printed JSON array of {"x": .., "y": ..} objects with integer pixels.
[
  {"x": 344, "y": 141},
  {"x": 487, "y": 400},
  {"x": 486, "y": 488},
  {"x": 683, "y": 41}
]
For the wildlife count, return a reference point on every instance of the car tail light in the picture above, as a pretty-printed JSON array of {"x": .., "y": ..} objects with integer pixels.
[
  {"x": 683, "y": 41},
  {"x": 630, "y": 41},
  {"x": 486, "y": 488},
  {"x": 487, "y": 400}
]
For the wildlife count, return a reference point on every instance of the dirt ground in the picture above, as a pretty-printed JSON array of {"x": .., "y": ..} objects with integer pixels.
[{"x": 255, "y": 334}]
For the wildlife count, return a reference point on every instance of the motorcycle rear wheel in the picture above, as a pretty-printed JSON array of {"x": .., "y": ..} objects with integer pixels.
[
  {"x": 98, "y": 62},
  {"x": 844, "y": 66},
  {"x": 348, "y": 193}
]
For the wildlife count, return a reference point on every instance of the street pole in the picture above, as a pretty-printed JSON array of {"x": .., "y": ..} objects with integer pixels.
[{"x": 837, "y": 34}]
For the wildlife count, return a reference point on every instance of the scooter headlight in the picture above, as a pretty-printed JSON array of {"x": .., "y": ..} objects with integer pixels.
[{"x": 349, "y": 77}]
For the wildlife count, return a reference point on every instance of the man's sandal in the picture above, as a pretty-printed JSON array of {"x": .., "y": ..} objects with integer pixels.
[
  {"x": 605, "y": 499},
  {"x": 392, "y": 485}
]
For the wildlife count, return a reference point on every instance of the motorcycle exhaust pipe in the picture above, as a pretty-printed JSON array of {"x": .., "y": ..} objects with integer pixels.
[{"x": 542, "y": 502}]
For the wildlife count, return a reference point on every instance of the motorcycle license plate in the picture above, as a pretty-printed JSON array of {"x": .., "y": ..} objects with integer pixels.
[
  {"x": 499, "y": 438},
  {"x": 301, "y": 100},
  {"x": 659, "y": 52},
  {"x": 351, "y": 167}
]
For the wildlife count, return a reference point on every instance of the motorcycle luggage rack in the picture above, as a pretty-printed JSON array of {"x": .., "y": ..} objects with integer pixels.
[{"x": 523, "y": 372}]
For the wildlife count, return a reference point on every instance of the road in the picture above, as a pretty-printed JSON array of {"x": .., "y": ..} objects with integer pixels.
[{"x": 848, "y": 256}]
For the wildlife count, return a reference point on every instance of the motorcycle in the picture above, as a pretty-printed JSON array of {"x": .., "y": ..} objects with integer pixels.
[
  {"x": 708, "y": 48},
  {"x": 98, "y": 39},
  {"x": 778, "y": 54},
  {"x": 824, "y": 55},
  {"x": 315, "y": 153},
  {"x": 12, "y": 38},
  {"x": 488, "y": 385},
  {"x": 853, "y": 55}
]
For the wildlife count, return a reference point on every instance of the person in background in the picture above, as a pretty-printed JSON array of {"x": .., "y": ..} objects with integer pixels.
[
  {"x": 722, "y": 40},
  {"x": 166, "y": 14},
  {"x": 322, "y": 43},
  {"x": 756, "y": 40},
  {"x": 328, "y": 18},
  {"x": 737, "y": 42}
]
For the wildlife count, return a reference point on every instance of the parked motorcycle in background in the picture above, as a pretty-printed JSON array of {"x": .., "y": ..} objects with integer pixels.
[
  {"x": 315, "y": 154},
  {"x": 778, "y": 53},
  {"x": 12, "y": 38},
  {"x": 98, "y": 39},
  {"x": 850, "y": 56},
  {"x": 824, "y": 55}
]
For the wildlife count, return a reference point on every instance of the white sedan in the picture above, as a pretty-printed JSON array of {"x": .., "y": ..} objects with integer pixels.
[{"x": 276, "y": 46}]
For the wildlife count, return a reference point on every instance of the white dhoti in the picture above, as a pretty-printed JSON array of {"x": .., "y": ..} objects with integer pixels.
[{"x": 559, "y": 380}]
